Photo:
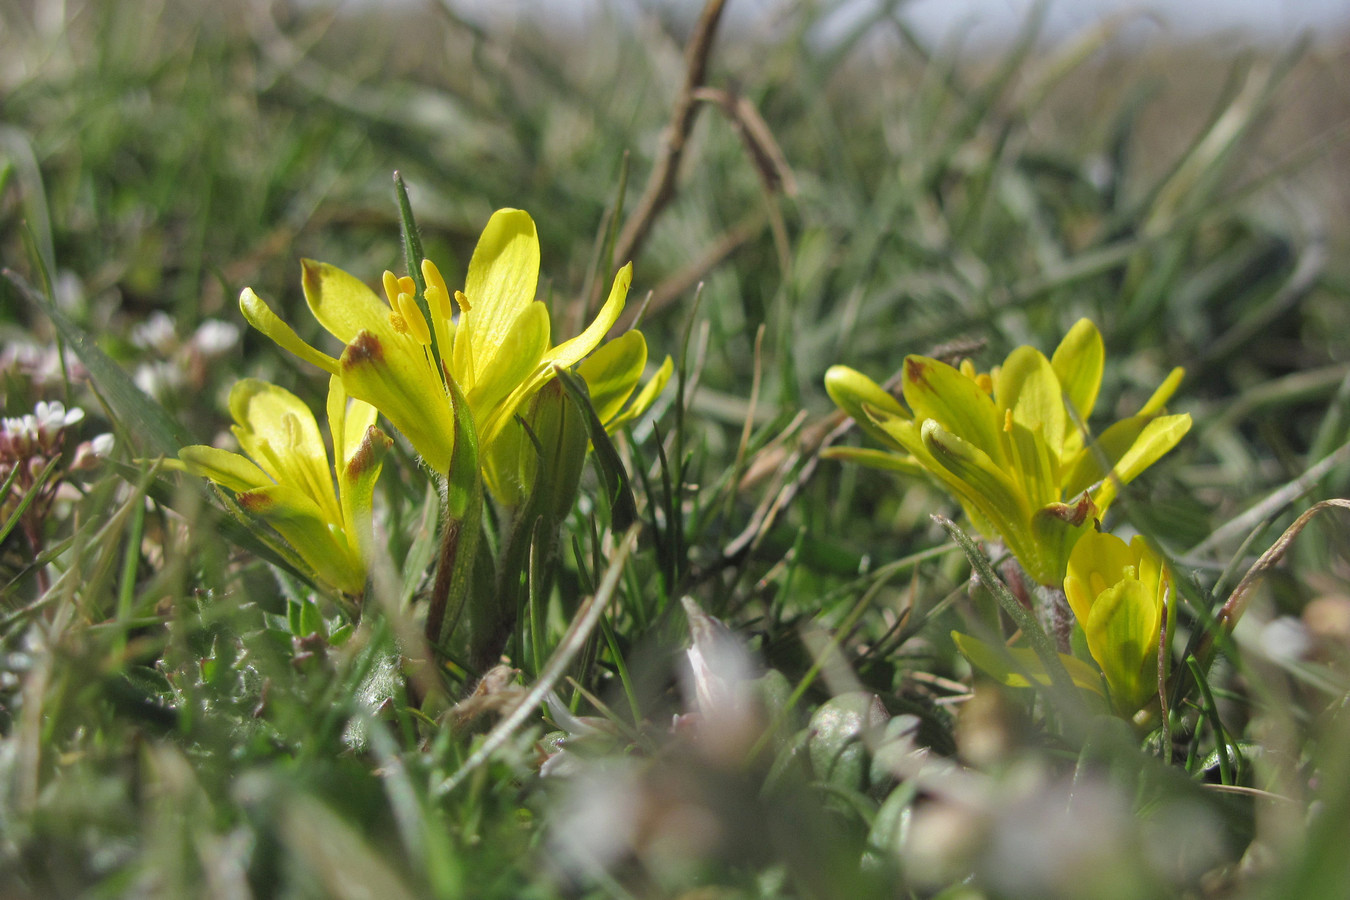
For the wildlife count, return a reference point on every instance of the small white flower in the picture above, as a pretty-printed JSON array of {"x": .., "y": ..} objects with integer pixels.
[
  {"x": 158, "y": 379},
  {"x": 155, "y": 333},
  {"x": 54, "y": 416},
  {"x": 214, "y": 337}
]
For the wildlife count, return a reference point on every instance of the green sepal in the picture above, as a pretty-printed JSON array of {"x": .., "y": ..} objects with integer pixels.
[
  {"x": 552, "y": 470},
  {"x": 462, "y": 524}
]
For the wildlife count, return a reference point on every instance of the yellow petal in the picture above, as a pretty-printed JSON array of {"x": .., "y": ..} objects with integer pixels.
[
  {"x": 1098, "y": 560},
  {"x": 983, "y": 484},
  {"x": 260, "y": 316},
  {"x": 278, "y": 431},
  {"x": 613, "y": 371},
  {"x": 1157, "y": 437},
  {"x": 221, "y": 466},
  {"x": 360, "y": 418},
  {"x": 319, "y": 540},
  {"x": 1033, "y": 464},
  {"x": 356, "y": 486},
  {"x": 569, "y": 353},
  {"x": 875, "y": 459},
  {"x": 935, "y": 390},
  {"x": 645, "y": 398},
  {"x": 563, "y": 356},
  {"x": 401, "y": 387},
  {"x": 1122, "y": 635},
  {"x": 502, "y": 278},
  {"x": 515, "y": 360},
  {"x": 851, "y": 390},
  {"x": 1163, "y": 393},
  {"x": 1028, "y": 387},
  {"x": 1078, "y": 362},
  {"x": 1127, "y": 448},
  {"x": 342, "y": 303}
]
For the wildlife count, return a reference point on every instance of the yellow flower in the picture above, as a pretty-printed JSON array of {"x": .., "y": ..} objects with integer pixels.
[
  {"x": 288, "y": 481},
  {"x": 1008, "y": 444},
  {"x": 497, "y": 350},
  {"x": 1117, "y": 592}
]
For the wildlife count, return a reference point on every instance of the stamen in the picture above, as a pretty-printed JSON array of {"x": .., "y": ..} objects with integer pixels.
[
  {"x": 391, "y": 288},
  {"x": 438, "y": 301},
  {"x": 414, "y": 321},
  {"x": 463, "y": 302},
  {"x": 433, "y": 278}
]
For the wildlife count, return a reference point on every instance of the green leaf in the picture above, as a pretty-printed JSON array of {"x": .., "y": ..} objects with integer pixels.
[{"x": 22, "y": 506}]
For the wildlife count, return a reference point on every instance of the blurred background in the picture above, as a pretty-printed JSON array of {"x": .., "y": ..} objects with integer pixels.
[{"x": 855, "y": 181}]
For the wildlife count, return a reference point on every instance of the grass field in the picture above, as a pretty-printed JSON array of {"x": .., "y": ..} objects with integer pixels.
[{"x": 716, "y": 659}]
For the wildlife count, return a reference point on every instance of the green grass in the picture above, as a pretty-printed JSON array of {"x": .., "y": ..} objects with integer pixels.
[{"x": 183, "y": 713}]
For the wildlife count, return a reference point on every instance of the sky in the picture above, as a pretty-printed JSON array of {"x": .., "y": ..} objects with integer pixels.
[{"x": 1273, "y": 20}]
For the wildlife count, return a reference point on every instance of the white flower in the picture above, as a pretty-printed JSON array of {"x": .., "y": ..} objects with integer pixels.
[
  {"x": 155, "y": 333},
  {"x": 214, "y": 337}
]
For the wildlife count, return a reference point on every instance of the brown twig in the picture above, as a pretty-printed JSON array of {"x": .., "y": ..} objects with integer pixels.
[
  {"x": 686, "y": 279},
  {"x": 661, "y": 185},
  {"x": 1236, "y": 604}
]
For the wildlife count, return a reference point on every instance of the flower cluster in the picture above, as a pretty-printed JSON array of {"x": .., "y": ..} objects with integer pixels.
[
  {"x": 429, "y": 360},
  {"x": 181, "y": 365},
  {"x": 492, "y": 341},
  {"x": 32, "y": 450},
  {"x": 1012, "y": 446}
]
